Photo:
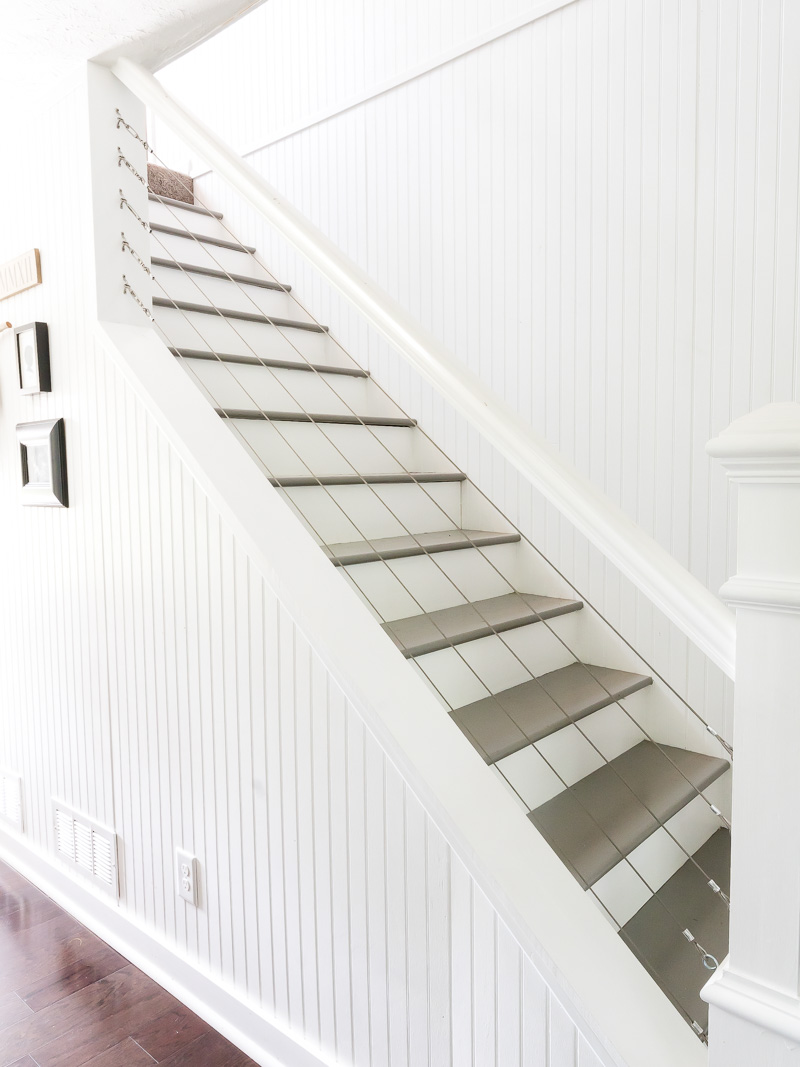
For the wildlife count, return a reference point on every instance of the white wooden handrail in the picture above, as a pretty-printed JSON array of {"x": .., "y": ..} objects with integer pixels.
[{"x": 670, "y": 587}]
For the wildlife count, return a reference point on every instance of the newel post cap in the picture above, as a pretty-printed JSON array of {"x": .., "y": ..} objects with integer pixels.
[{"x": 770, "y": 434}]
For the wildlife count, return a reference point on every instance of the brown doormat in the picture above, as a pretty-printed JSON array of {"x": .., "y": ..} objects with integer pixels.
[{"x": 170, "y": 183}]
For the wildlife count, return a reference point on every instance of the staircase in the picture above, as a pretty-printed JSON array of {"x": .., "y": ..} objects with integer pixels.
[{"x": 621, "y": 779}]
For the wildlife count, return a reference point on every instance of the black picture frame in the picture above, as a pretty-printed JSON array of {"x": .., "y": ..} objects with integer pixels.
[
  {"x": 43, "y": 459},
  {"x": 32, "y": 343}
]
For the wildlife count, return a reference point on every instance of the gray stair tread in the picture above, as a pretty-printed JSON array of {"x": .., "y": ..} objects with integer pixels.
[
  {"x": 303, "y": 416},
  {"x": 420, "y": 634},
  {"x": 502, "y": 724},
  {"x": 367, "y": 479},
  {"x": 178, "y": 231},
  {"x": 231, "y": 313},
  {"x": 259, "y": 361},
  {"x": 685, "y": 902},
  {"x": 171, "y": 202},
  {"x": 214, "y": 272},
  {"x": 604, "y": 816},
  {"x": 345, "y": 554}
]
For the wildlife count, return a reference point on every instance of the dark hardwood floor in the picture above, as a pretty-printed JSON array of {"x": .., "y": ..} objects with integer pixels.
[{"x": 68, "y": 999}]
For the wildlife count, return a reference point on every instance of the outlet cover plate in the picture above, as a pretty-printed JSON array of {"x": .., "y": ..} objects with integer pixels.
[{"x": 186, "y": 873}]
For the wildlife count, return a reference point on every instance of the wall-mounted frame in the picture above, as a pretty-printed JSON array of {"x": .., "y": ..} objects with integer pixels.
[
  {"x": 43, "y": 456},
  {"x": 33, "y": 357},
  {"x": 17, "y": 275}
]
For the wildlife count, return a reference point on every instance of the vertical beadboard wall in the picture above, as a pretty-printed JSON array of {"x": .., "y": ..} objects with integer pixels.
[
  {"x": 150, "y": 679},
  {"x": 596, "y": 210}
]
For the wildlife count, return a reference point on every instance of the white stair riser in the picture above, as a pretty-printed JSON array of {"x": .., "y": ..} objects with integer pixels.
[
  {"x": 631, "y": 883},
  {"x": 662, "y": 713},
  {"x": 194, "y": 221},
  {"x": 541, "y": 771},
  {"x": 355, "y": 513},
  {"x": 234, "y": 385},
  {"x": 481, "y": 514},
  {"x": 188, "y": 250},
  {"x": 300, "y": 449},
  {"x": 403, "y": 587},
  {"x": 225, "y": 293},
  {"x": 192, "y": 329},
  {"x": 488, "y": 665}
]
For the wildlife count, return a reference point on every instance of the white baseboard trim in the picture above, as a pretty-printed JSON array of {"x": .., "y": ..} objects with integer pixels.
[{"x": 219, "y": 1005}]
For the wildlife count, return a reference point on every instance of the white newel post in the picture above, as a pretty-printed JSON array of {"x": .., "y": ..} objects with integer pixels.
[{"x": 755, "y": 995}]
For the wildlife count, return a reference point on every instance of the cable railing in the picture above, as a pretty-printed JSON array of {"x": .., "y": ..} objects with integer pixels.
[
  {"x": 320, "y": 371},
  {"x": 313, "y": 479},
  {"x": 679, "y": 595}
]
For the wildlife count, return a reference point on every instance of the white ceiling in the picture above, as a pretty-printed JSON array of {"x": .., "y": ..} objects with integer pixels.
[{"x": 42, "y": 41}]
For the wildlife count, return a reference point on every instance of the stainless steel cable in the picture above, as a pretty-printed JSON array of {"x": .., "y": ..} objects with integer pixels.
[
  {"x": 612, "y": 699},
  {"x": 352, "y": 411},
  {"x": 723, "y": 743},
  {"x": 295, "y": 506},
  {"x": 567, "y": 786}
]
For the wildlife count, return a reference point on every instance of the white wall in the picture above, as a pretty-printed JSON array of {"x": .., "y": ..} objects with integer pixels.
[
  {"x": 595, "y": 209},
  {"x": 150, "y": 679}
]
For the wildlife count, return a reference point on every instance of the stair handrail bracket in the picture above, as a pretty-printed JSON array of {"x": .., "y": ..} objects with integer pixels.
[
  {"x": 683, "y": 599},
  {"x": 755, "y": 994}
]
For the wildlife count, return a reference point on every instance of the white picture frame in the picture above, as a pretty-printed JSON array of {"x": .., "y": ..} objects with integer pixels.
[{"x": 43, "y": 460}]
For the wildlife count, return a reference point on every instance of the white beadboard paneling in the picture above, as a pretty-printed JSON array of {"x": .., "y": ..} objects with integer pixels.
[
  {"x": 152, "y": 680},
  {"x": 343, "y": 58},
  {"x": 597, "y": 212}
]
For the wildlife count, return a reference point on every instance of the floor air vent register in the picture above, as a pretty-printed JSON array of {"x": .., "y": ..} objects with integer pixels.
[{"x": 87, "y": 846}]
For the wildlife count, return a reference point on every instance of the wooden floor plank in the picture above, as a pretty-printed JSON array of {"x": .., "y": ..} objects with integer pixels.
[
  {"x": 97, "y": 962},
  {"x": 170, "y": 1033},
  {"x": 126, "y": 1054},
  {"x": 210, "y": 1050},
  {"x": 17, "y": 894},
  {"x": 23, "y": 971},
  {"x": 115, "y": 1007},
  {"x": 9, "y": 878},
  {"x": 22, "y": 950},
  {"x": 70, "y": 1020},
  {"x": 69, "y": 1000},
  {"x": 12, "y": 1010},
  {"x": 27, "y": 913}
]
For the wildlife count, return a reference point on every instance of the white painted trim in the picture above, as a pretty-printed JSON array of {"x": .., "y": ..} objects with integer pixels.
[
  {"x": 546, "y": 7},
  {"x": 762, "y": 446},
  {"x": 756, "y": 1003},
  {"x": 755, "y": 593},
  {"x": 771, "y": 432},
  {"x": 219, "y": 1004},
  {"x": 686, "y": 602}
]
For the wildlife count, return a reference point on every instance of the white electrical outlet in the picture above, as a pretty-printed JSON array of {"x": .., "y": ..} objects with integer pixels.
[{"x": 187, "y": 877}]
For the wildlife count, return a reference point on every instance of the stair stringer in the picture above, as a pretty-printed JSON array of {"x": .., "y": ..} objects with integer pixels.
[{"x": 618, "y": 1008}]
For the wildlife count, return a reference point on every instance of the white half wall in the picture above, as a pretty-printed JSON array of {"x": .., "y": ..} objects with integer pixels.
[
  {"x": 593, "y": 204},
  {"x": 151, "y": 680}
]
